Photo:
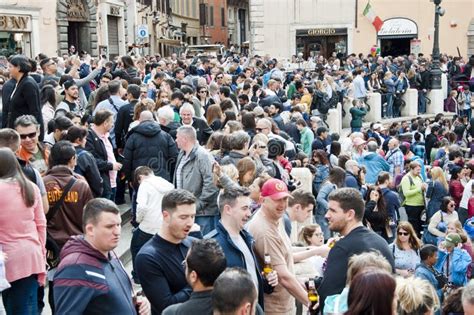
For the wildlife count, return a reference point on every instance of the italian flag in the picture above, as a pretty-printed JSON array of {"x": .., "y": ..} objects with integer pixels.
[{"x": 373, "y": 18}]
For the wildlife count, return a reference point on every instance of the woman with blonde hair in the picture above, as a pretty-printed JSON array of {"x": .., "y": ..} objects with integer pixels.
[
  {"x": 337, "y": 304},
  {"x": 143, "y": 105},
  {"x": 406, "y": 249},
  {"x": 416, "y": 296},
  {"x": 438, "y": 188}
]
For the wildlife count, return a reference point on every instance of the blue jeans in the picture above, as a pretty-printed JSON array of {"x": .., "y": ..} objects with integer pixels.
[
  {"x": 139, "y": 238},
  {"x": 421, "y": 102},
  {"x": 110, "y": 194},
  {"x": 389, "y": 105},
  {"x": 207, "y": 223},
  {"x": 323, "y": 223},
  {"x": 22, "y": 297},
  {"x": 355, "y": 129}
]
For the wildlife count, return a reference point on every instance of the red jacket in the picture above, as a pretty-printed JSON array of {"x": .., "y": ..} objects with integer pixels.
[{"x": 455, "y": 190}]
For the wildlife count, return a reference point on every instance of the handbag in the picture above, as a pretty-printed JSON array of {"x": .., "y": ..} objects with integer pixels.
[
  {"x": 428, "y": 237},
  {"x": 52, "y": 248}
]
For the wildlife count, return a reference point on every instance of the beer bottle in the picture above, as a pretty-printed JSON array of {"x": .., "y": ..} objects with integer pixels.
[
  {"x": 312, "y": 296},
  {"x": 267, "y": 264}
]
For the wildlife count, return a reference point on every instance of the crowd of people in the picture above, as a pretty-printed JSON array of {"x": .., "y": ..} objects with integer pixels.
[{"x": 242, "y": 200}]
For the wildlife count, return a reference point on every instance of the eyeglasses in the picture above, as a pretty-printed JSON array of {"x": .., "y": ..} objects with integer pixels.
[
  {"x": 452, "y": 205},
  {"x": 403, "y": 233},
  {"x": 28, "y": 135}
]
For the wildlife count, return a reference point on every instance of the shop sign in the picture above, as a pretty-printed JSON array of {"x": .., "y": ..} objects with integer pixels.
[
  {"x": 18, "y": 23},
  {"x": 398, "y": 27},
  {"x": 114, "y": 10},
  {"x": 415, "y": 46},
  {"x": 322, "y": 32}
]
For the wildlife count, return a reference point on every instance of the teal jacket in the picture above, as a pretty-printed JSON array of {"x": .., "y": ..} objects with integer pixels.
[
  {"x": 357, "y": 115},
  {"x": 307, "y": 137}
]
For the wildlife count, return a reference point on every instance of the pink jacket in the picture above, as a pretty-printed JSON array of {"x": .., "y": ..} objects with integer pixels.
[{"x": 23, "y": 233}]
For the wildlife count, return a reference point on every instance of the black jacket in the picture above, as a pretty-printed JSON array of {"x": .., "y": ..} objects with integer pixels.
[
  {"x": 171, "y": 128},
  {"x": 95, "y": 146},
  {"x": 203, "y": 131},
  {"x": 25, "y": 101},
  {"x": 148, "y": 145},
  {"x": 122, "y": 122},
  {"x": 358, "y": 241},
  {"x": 87, "y": 167}
]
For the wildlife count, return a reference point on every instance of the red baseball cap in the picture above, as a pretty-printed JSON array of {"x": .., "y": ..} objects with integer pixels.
[{"x": 275, "y": 189}]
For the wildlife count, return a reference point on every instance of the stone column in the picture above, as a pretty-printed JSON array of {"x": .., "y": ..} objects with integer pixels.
[
  {"x": 346, "y": 120},
  {"x": 437, "y": 102},
  {"x": 334, "y": 119},
  {"x": 375, "y": 102},
  {"x": 256, "y": 18},
  {"x": 411, "y": 103}
]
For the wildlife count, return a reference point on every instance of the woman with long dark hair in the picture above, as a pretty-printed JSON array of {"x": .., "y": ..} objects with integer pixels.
[
  {"x": 322, "y": 166},
  {"x": 372, "y": 293},
  {"x": 25, "y": 97},
  {"x": 23, "y": 237},
  {"x": 48, "y": 104},
  {"x": 376, "y": 215}
]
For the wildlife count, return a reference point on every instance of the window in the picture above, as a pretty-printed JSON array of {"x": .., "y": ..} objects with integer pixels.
[
  {"x": 211, "y": 15},
  {"x": 222, "y": 17}
]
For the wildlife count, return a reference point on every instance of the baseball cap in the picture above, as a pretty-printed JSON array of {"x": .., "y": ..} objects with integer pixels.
[
  {"x": 275, "y": 189},
  {"x": 452, "y": 240}
]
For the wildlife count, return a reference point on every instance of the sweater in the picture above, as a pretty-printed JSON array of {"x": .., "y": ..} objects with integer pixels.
[
  {"x": 436, "y": 219},
  {"x": 161, "y": 272},
  {"x": 358, "y": 241},
  {"x": 413, "y": 193},
  {"x": 307, "y": 138},
  {"x": 23, "y": 236}
]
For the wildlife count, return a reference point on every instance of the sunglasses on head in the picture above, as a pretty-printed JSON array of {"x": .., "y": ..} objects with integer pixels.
[{"x": 28, "y": 135}]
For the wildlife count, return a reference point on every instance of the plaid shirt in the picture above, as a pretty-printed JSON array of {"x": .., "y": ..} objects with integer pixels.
[{"x": 395, "y": 158}]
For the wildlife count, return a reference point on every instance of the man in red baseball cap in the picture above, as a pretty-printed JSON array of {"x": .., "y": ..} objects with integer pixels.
[{"x": 270, "y": 239}]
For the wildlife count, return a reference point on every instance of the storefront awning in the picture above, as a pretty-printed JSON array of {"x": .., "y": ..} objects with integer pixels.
[
  {"x": 170, "y": 42},
  {"x": 398, "y": 28}
]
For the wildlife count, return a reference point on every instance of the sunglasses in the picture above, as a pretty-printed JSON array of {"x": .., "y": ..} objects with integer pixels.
[
  {"x": 403, "y": 233},
  {"x": 28, "y": 135},
  {"x": 219, "y": 77},
  {"x": 260, "y": 129},
  {"x": 452, "y": 204}
]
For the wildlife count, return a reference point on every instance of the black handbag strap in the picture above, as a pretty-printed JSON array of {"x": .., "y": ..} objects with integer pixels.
[{"x": 52, "y": 212}]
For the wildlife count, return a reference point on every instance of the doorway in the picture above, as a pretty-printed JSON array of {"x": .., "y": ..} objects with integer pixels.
[
  {"x": 78, "y": 36},
  {"x": 395, "y": 46}
]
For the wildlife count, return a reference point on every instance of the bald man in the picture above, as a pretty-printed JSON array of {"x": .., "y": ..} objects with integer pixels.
[
  {"x": 394, "y": 157},
  {"x": 148, "y": 145}
]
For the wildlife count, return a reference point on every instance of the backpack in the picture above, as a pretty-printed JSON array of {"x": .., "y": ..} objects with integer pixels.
[
  {"x": 332, "y": 103},
  {"x": 400, "y": 190}
]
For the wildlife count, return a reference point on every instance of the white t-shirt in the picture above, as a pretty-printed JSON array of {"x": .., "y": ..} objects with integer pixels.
[{"x": 249, "y": 261}]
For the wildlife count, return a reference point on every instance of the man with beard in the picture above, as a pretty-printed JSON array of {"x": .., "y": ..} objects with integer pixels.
[
  {"x": 71, "y": 96},
  {"x": 159, "y": 262},
  {"x": 345, "y": 212}
]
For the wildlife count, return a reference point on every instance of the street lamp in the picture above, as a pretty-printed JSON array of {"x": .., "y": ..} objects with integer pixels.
[{"x": 435, "y": 69}]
